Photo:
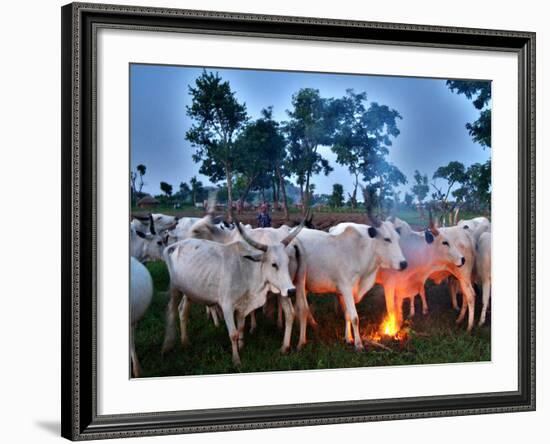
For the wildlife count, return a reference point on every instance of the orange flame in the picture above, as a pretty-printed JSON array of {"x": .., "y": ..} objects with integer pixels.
[{"x": 389, "y": 326}]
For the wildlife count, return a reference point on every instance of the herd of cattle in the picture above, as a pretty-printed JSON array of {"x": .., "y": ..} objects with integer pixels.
[{"x": 233, "y": 269}]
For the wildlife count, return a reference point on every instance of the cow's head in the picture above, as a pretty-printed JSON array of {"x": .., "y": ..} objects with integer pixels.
[
  {"x": 444, "y": 248},
  {"x": 274, "y": 261},
  {"x": 151, "y": 244},
  {"x": 208, "y": 228},
  {"x": 386, "y": 244},
  {"x": 402, "y": 227}
]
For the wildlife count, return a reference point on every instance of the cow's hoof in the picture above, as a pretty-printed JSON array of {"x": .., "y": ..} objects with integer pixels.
[
  {"x": 285, "y": 350},
  {"x": 359, "y": 348},
  {"x": 425, "y": 312},
  {"x": 300, "y": 347},
  {"x": 236, "y": 362}
]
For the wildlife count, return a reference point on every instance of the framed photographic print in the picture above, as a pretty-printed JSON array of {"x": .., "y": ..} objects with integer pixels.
[{"x": 278, "y": 221}]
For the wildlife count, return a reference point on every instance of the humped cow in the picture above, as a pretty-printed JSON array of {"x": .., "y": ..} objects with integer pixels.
[
  {"x": 235, "y": 276},
  {"x": 345, "y": 261},
  {"x": 425, "y": 252}
]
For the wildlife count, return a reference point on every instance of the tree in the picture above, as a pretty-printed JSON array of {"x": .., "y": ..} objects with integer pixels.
[
  {"x": 196, "y": 189},
  {"x": 184, "y": 191},
  {"x": 480, "y": 93},
  {"x": 408, "y": 200},
  {"x": 337, "y": 196},
  {"x": 141, "y": 169},
  {"x": 217, "y": 118},
  {"x": 475, "y": 191},
  {"x": 166, "y": 188},
  {"x": 362, "y": 136},
  {"x": 454, "y": 173},
  {"x": 421, "y": 188},
  {"x": 260, "y": 152},
  {"x": 311, "y": 124}
]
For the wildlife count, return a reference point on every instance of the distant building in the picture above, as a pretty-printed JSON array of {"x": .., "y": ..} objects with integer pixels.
[{"x": 148, "y": 201}]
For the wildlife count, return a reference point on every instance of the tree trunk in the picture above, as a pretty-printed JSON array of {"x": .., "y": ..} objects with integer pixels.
[
  {"x": 245, "y": 193},
  {"x": 283, "y": 192},
  {"x": 275, "y": 194},
  {"x": 228, "y": 174},
  {"x": 305, "y": 203},
  {"x": 354, "y": 195}
]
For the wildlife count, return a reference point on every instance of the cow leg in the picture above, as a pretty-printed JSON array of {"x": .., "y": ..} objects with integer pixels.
[
  {"x": 453, "y": 290},
  {"x": 171, "y": 309},
  {"x": 303, "y": 311},
  {"x": 286, "y": 305},
  {"x": 241, "y": 322},
  {"x": 183, "y": 310},
  {"x": 279, "y": 311},
  {"x": 214, "y": 313},
  {"x": 486, "y": 292},
  {"x": 351, "y": 316},
  {"x": 228, "y": 315},
  {"x": 136, "y": 369},
  {"x": 469, "y": 298},
  {"x": 253, "y": 323},
  {"x": 422, "y": 292},
  {"x": 348, "y": 336},
  {"x": 411, "y": 307}
]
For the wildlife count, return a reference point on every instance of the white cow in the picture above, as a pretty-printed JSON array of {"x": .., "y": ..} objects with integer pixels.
[
  {"x": 483, "y": 271},
  {"x": 233, "y": 276},
  {"x": 464, "y": 242},
  {"x": 146, "y": 246},
  {"x": 425, "y": 252},
  {"x": 206, "y": 229},
  {"x": 475, "y": 228},
  {"x": 141, "y": 294},
  {"x": 345, "y": 261},
  {"x": 163, "y": 222}
]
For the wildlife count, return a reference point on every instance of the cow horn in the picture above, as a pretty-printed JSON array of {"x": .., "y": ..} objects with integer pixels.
[
  {"x": 248, "y": 240},
  {"x": 151, "y": 224},
  {"x": 287, "y": 240},
  {"x": 373, "y": 219},
  {"x": 433, "y": 226}
]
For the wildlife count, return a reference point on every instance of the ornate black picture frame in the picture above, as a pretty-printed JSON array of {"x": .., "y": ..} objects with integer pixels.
[{"x": 80, "y": 22}]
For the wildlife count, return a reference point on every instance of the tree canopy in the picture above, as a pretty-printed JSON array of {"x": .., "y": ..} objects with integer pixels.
[
  {"x": 480, "y": 93},
  {"x": 217, "y": 117}
]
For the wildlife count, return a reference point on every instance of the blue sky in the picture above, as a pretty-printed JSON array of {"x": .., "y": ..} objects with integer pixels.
[{"x": 432, "y": 128}]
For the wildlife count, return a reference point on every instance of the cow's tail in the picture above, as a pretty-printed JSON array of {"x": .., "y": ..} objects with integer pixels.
[{"x": 172, "y": 307}]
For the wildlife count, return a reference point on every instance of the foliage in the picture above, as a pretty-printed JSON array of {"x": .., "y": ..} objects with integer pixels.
[
  {"x": 311, "y": 124},
  {"x": 166, "y": 188},
  {"x": 337, "y": 196},
  {"x": 362, "y": 138},
  {"x": 475, "y": 191},
  {"x": 480, "y": 93},
  {"x": 217, "y": 118},
  {"x": 421, "y": 188},
  {"x": 408, "y": 200}
]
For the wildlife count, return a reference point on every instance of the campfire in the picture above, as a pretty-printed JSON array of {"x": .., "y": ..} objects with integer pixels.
[{"x": 387, "y": 334}]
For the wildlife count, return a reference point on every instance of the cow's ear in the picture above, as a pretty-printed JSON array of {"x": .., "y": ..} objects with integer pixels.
[
  {"x": 429, "y": 236},
  {"x": 141, "y": 234},
  {"x": 254, "y": 257},
  {"x": 372, "y": 232}
]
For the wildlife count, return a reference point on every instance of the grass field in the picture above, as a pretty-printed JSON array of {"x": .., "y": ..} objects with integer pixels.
[{"x": 433, "y": 338}]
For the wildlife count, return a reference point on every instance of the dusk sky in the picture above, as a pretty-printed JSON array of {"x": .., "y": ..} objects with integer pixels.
[{"x": 432, "y": 128}]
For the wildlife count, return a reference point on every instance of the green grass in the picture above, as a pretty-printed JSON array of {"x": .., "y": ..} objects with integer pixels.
[{"x": 433, "y": 339}]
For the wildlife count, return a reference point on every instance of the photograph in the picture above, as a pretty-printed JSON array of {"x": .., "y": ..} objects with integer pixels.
[{"x": 292, "y": 220}]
